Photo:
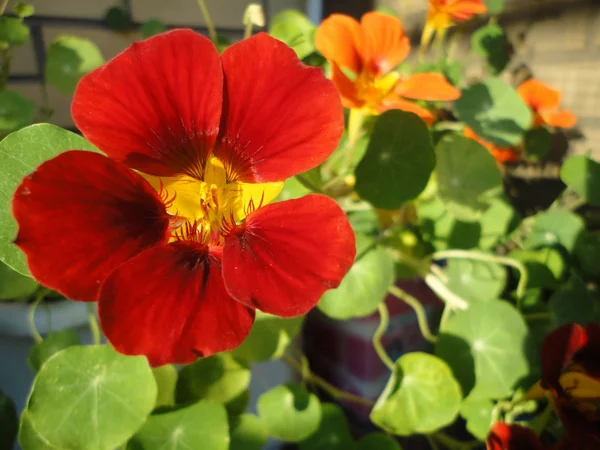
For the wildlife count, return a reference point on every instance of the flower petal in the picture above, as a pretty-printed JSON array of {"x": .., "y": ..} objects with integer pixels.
[
  {"x": 589, "y": 356},
  {"x": 462, "y": 10},
  {"x": 281, "y": 117},
  {"x": 558, "y": 349},
  {"x": 340, "y": 39},
  {"x": 538, "y": 95},
  {"x": 347, "y": 88},
  {"x": 559, "y": 119},
  {"x": 427, "y": 86},
  {"x": 385, "y": 42},
  {"x": 285, "y": 255},
  {"x": 80, "y": 216},
  {"x": 157, "y": 106},
  {"x": 169, "y": 304},
  {"x": 512, "y": 437}
]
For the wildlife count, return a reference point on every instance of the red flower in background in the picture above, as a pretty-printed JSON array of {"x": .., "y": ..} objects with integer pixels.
[
  {"x": 545, "y": 102},
  {"x": 368, "y": 51},
  {"x": 171, "y": 232}
]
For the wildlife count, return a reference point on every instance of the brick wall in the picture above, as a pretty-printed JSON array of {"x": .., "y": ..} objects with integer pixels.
[{"x": 84, "y": 18}]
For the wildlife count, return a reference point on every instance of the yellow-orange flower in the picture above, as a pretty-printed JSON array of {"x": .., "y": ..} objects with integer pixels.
[
  {"x": 544, "y": 102},
  {"x": 501, "y": 154},
  {"x": 363, "y": 55},
  {"x": 445, "y": 13}
]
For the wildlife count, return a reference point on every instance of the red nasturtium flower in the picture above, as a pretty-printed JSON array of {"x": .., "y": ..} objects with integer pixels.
[
  {"x": 512, "y": 437},
  {"x": 445, "y": 13},
  {"x": 171, "y": 232},
  {"x": 545, "y": 102},
  {"x": 363, "y": 56},
  {"x": 501, "y": 154}
]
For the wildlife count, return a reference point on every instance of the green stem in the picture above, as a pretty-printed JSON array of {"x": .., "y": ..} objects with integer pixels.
[
  {"x": 212, "y": 32},
  {"x": 537, "y": 316},
  {"x": 442, "y": 291},
  {"x": 431, "y": 442},
  {"x": 466, "y": 254},
  {"x": 445, "y": 316},
  {"x": 544, "y": 419},
  {"x": 355, "y": 122},
  {"x": 419, "y": 310},
  {"x": 5, "y": 69},
  {"x": 46, "y": 111},
  {"x": 93, "y": 324},
  {"x": 37, "y": 337},
  {"x": 248, "y": 29},
  {"x": 384, "y": 320}
]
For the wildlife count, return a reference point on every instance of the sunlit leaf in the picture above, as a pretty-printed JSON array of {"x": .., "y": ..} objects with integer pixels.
[
  {"x": 478, "y": 414},
  {"x": 13, "y": 31},
  {"x": 166, "y": 381},
  {"x": 53, "y": 343},
  {"x": 296, "y": 30},
  {"x": 247, "y": 433},
  {"x": 475, "y": 281},
  {"x": 582, "y": 175},
  {"x": 553, "y": 228},
  {"x": 13, "y": 285}
]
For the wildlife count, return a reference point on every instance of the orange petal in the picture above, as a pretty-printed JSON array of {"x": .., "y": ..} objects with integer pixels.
[
  {"x": 427, "y": 86},
  {"x": 386, "y": 45},
  {"x": 559, "y": 119},
  {"x": 539, "y": 95},
  {"x": 408, "y": 106},
  {"x": 346, "y": 87},
  {"x": 340, "y": 39},
  {"x": 462, "y": 10}
]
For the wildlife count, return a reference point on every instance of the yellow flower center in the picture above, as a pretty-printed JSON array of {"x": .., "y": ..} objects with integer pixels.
[{"x": 373, "y": 90}]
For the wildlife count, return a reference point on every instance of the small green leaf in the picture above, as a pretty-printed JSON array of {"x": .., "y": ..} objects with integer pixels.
[
  {"x": 421, "y": 396},
  {"x": 152, "y": 27},
  {"x": 398, "y": 161},
  {"x": 573, "y": 303},
  {"x": 13, "y": 285},
  {"x": 220, "y": 378},
  {"x": 15, "y": 111},
  {"x": 495, "y": 112},
  {"x": 484, "y": 345},
  {"x": 118, "y": 19},
  {"x": 201, "y": 425},
  {"x": 20, "y": 153},
  {"x": 166, "y": 380},
  {"x": 582, "y": 175},
  {"x": 377, "y": 441},
  {"x": 53, "y": 343},
  {"x": 468, "y": 176},
  {"x": 13, "y": 31},
  {"x": 555, "y": 228},
  {"x": 538, "y": 143},
  {"x": 491, "y": 42},
  {"x": 269, "y": 337},
  {"x": 70, "y": 58},
  {"x": 494, "y": 6},
  {"x": 23, "y": 10},
  {"x": 497, "y": 222},
  {"x": 296, "y": 30},
  {"x": 478, "y": 414},
  {"x": 91, "y": 398},
  {"x": 363, "y": 287},
  {"x": 289, "y": 412},
  {"x": 333, "y": 432},
  {"x": 9, "y": 422},
  {"x": 587, "y": 250},
  {"x": 475, "y": 281},
  {"x": 247, "y": 433}
]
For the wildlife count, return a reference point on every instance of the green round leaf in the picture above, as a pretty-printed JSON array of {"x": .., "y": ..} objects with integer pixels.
[
  {"x": 398, "y": 161},
  {"x": 468, "y": 177},
  {"x": 495, "y": 112},
  {"x": 364, "y": 286},
  {"x": 269, "y": 337},
  {"x": 29, "y": 438},
  {"x": 220, "y": 378},
  {"x": 13, "y": 285},
  {"x": 555, "y": 228},
  {"x": 152, "y": 27},
  {"x": 201, "y": 425},
  {"x": 69, "y": 58},
  {"x": 478, "y": 414},
  {"x": 247, "y": 433},
  {"x": 166, "y": 380},
  {"x": 15, "y": 111},
  {"x": 538, "y": 143},
  {"x": 20, "y": 153},
  {"x": 421, "y": 396},
  {"x": 544, "y": 266},
  {"x": 491, "y": 42},
  {"x": 377, "y": 441},
  {"x": 13, "y": 31},
  {"x": 333, "y": 432},
  {"x": 573, "y": 303},
  {"x": 9, "y": 422},
  {"x": 289, "y": 412},
  {"x": 497, "y": 222},
  {"x": 476, "y": 281},
  {"x": 582, "y": 175},
  {"x": 91, "y": 398},
  {"x": 23, "y": 10},
  {"x": 484, "y": 346},
  {"x": 296, "y": 30},
  {"x": 53, "y": 343}
]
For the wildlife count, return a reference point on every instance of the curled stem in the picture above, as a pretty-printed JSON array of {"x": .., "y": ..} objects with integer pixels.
[
  {"x": 212, "y": 32},
  {"x": 384, "y": 320},
  {"x": 94, "y": 328},
  {"x": 419, "y": 310},
  {"x": 37, "y": 337},
  {"x": 442, "y": 291}
]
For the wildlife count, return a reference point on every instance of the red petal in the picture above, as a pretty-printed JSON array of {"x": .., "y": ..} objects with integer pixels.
[
  {"x": 589, "y": 355},
  {"x": 170, "y": 304},
  {"x": 157, "y": 106},
  {"x": 282, "y": 117},
  {"x": 287, "y": 254},
  {"x": 80, "y": 216},
  {"x": 558, "y": 349},
  {"x": 513, "y": 437}
]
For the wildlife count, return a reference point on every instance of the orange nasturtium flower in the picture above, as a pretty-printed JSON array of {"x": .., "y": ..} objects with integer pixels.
[
  {"x": 544, "y": 102},
  {"x": 445, "y": 13},
  {"x": 500, "y": 154},
  {"x": 363, "y": 56}
]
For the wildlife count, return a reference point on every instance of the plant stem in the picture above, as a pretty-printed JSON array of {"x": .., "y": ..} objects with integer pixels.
[
  {"x": 431, "y": 443},
  {"x": 212, "y": 32},
  {"x": 37, "y": 337},
  {"x": 384, "y": 320},
  {"x": 441, "y": 290},
  {"x": 93, "y": 324},
  {"x": 5, "y": 69},
  {"x": 325, "y": 385},
  {"x": 544, "y": 418},
  {"x": 248, "y": 29},
  {"x": 445, "y": 316},
  {"x": 478, "y": 256},
  {"x": 419, "y": 310},
  {"x": 537, "y": 316},
  {"x": 355, "y": 121}
]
